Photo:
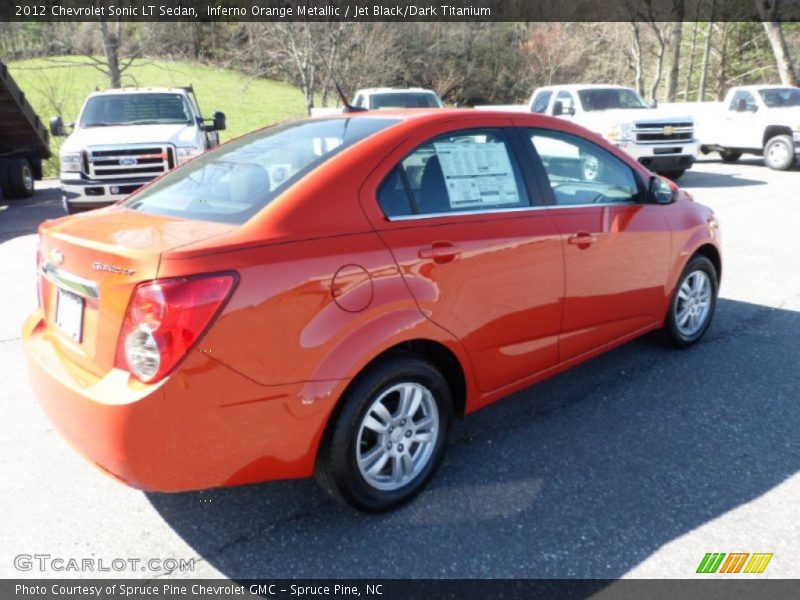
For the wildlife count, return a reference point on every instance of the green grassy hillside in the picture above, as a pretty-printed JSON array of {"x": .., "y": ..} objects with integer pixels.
[{"x": 59, "y": 85}]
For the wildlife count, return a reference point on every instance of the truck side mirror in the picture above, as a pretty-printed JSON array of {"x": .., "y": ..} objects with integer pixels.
[
  {"x": 57, "y": 128},
  {"x": 659, "y": 191},
  {"x": 558, "y": 108},
  {"x": 654, "y": 103},
  {"x": 220, "y": 122}
]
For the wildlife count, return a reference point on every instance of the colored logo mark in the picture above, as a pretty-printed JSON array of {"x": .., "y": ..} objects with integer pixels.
[{"x": 735, "y": 562}]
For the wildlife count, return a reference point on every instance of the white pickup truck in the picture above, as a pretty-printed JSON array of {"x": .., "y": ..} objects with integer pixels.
[
  {"x": 658, "y": 139},
  {"x": 753, "y": 119},
  {"x": 378, "y": 98},
  {"x": 125, "y": 138}
]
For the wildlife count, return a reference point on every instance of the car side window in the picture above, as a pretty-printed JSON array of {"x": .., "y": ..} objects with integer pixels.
[
  {"x": 464, "y": 171},
  {"x": 581, "y": 172},
  {"x": 567, "y": 102},
  {"x": 742, "y": 101},
  {"x": 541, "y": 100}
]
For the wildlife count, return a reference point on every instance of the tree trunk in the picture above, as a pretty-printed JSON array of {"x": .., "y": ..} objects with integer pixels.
[
  {"x": 768, "y": 11},
  {"x": 636, "y": 51},
  {"x": 111, "y": 47},
  {"x": 676, "y": 41},
  {"x": 690, "y": 70},
  {"x": 701, "y": 92}
]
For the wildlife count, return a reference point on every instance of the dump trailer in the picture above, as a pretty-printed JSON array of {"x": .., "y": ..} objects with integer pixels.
[{"x": 24, "y": 140}]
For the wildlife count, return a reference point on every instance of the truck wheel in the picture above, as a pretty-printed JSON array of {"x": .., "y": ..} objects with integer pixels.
[
  {"x": 38, "y": 169},
  {"x": 674, "y": 175},
  {"x": 17, "y": 181},
  {"x": 729, "y": 156},
  {"x": 779, "y": 153}
]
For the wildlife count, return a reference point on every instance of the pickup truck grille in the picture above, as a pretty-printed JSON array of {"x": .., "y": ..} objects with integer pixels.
[
  {"x": 655, "y": 133},
  {"x": 118, "y": 162}
]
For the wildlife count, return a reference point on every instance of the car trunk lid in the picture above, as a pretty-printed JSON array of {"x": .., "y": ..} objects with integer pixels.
[{"x": 90, "y": 265}]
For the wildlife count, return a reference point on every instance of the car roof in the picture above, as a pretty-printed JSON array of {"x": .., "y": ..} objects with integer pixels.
[
  {"x": 135, "y": 90},
  {"x": 391, "y": 90},
  {"x": 586, "y": 86}
]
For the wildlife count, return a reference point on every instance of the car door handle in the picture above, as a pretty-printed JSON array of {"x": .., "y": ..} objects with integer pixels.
[
  {"x": 440, "y": 252},
  {"x": 582, "y": 238}
]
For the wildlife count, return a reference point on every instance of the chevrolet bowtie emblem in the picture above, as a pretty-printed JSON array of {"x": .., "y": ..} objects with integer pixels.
[{"x": 668, "y": 130}]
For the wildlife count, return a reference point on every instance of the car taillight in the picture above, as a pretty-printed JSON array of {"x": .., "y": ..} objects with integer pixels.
[{"x": 165, "y": 318}]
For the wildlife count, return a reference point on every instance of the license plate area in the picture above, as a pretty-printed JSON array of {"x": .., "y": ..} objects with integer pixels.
[{"x": 69, "y": 314}]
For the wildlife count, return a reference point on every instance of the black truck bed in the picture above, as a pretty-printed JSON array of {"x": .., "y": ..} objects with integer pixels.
[{"x": 22, "y": 134}]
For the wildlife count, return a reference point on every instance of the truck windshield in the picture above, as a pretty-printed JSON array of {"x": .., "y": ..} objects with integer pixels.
[
  {"x": 404, "y": 100},
  {"x": 781, "y": 97},
  {"x": 135, "y": 109},
  {"x": 233, "y": 182},
  {"x": 610, "y": 98}
]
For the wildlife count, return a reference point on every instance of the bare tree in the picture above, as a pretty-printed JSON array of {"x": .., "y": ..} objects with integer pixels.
[
  {"x": 676, "y": 40},
  {"x": 768, "y": 11},
  {"x": 701, "y": 92},
  {"x": 637, "y": 57}
]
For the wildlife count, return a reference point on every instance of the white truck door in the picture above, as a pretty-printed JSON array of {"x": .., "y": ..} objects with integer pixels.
[{"x": 742, "y": 127}]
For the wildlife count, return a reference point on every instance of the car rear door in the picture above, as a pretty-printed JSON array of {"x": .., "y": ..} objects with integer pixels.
[
  {"x": 616, "y": 246},
  {"x": 481, "y": 257}
]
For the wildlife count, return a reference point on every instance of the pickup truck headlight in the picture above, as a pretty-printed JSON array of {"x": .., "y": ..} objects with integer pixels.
[
  {"x": 187, "y": 153},
  {"x": 621, "y": 132},
  {"x": 71, "y": 162}
]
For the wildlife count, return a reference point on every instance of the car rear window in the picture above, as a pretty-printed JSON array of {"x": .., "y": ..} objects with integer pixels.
[
  {"x": 404, "y": 100},
  {"x": 234, "y": 182}
]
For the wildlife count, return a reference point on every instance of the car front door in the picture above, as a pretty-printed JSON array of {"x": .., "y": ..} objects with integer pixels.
[
  {"x": 481, "y": 258},
  {"x": 742, "y": 123},
  {"x": 616, "y": 246}
]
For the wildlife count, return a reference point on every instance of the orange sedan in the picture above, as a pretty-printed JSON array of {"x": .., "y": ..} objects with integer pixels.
[{"x": 324, "y": 296}]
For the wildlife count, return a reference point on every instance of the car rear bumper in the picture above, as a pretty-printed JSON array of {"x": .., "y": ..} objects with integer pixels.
[{"x": 204, "y": 426}]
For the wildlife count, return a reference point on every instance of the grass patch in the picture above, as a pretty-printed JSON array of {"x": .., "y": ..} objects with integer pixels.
[{"x": 59, "y": 85}]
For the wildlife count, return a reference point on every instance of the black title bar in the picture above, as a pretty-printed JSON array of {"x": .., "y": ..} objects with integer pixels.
[{"x": 399, "y": 10}]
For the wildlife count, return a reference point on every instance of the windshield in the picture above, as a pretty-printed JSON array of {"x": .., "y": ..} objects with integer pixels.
[
  {"x": 610, "y": 98},
  {"x": 404, "y": 100},
  {"x": 135, "y": 109},
  {"x": 781, "y": 97},
  {"x": 235, "y": 181}
]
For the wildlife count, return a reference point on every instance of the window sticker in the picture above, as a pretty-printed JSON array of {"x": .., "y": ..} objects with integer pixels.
[{"x": 477, "y": 175}]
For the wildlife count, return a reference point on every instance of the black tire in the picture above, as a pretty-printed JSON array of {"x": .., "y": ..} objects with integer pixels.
[
  {"x": 337, "y": 469},
  {"x": 674, "y": 175},
  {"x": 17, "y": 181},
  {"x": 729, "y": 156},
  {"x": 679, "y": 336},
  {"x": 779, "y": 153},
  {"x": 38, "y": 169}
]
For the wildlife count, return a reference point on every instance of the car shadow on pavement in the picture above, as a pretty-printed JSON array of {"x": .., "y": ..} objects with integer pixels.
[
  {"x": 705, "y": 179},
  {"x": 23, "y": 217},
  {"x": 584, "y": 475}
]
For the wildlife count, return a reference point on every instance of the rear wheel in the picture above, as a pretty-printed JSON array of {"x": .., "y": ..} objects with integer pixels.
[
  {"x": 693, "y": 303},
  {"x": 16, "y": 178},
  {"x": 389, "y": 437},
  {"x": 779, "y": 153},
  {"x": 729, "y": 156}
]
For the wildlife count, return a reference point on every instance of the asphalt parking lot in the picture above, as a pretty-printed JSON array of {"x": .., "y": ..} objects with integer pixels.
[{"x": 633, "y": 465}]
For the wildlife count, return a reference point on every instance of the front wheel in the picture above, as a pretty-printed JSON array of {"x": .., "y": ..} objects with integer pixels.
[
  {"x": 693, "y": 303},
  {"x": 729, "y": 156},
  {"x": 674, "y": 175},
  {"x": 779, "y": 153},
  {"x": 389, "y": 437}
]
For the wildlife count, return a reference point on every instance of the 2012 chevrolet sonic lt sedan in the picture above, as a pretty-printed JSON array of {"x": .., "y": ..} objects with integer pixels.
[{"x": 324, "y": 296}]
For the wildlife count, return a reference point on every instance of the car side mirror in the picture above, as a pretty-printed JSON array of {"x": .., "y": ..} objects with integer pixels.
[
  {"x": 57, "y": 128},
  {"x": 558, "y": 108},
  {"x": 659, "y": 191},
  {"x": 753, "y": 108},
  {"x": 220, "y": 122},
  {"x": 654, "y": 103}
]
